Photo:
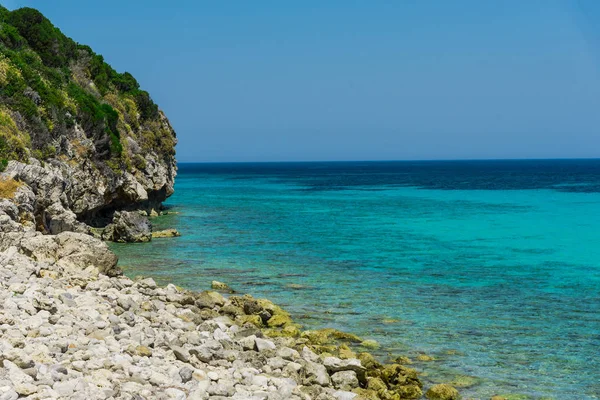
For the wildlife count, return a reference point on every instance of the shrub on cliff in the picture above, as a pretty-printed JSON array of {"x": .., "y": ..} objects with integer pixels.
[
  {"x": 8, "y": 188},
  {"x": 13, "y": 142},
  {"x": 50, "y": 85}
]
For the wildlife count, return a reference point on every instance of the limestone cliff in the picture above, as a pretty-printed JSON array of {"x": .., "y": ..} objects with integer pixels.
[{"x": 80, "y": 140}]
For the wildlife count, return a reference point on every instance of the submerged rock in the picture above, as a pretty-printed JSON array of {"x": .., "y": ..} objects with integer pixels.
[
  {"x": 167, "y": 233},
  {"x": 425, "y": 358},
  {"x": 403, "y": 360},
  {"x": 220, "y": 286},
  {"x": 370, "y": 344},
  {"x": 442, "y": 392},
  {"x": 465, "y": 381}
]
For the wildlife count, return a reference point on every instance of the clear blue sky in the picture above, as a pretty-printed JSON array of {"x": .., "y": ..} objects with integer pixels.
[{"x": 356, "y": 80}]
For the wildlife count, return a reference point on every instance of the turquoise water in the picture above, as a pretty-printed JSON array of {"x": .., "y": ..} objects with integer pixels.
[{"x": 491, "y": 267}]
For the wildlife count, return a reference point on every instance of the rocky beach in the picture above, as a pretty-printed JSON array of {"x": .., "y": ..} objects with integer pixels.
[{"x": 72, "y": 326}]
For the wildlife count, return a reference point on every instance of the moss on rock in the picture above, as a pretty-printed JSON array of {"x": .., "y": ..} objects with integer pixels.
[
  {"x": 250, "y": 319},
  {"x": 465, "y": 381},
  {"x": 279, "y": 320},
  {"x": 345, "y": 352},
  {"x": 442, "y": 392},
  {"x": 425, "y": 358},
  {"x": 370, "y": 344},
  {"x": 376, "y": 384}
]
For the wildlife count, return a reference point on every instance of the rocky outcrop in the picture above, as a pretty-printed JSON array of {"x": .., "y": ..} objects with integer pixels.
[
  {"x": 128, "y": 227},
  {"x": 59, "y": 197},
  {"x": 67, "y": 251},
  {"x": 84, "y": 140}
]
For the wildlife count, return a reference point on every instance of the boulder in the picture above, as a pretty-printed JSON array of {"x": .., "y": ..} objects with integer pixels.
[
  {"x": 131, "y": 227},
  {"x": 57, "y": 219},
  {"x": 279, "y": 320},
  {"x": 342, "y": 395},
  {"x": 263, "y": 344},
  {"x": 68, "y": 250},
  {"x": 316, "y": 374},
  {"x": 209, "y": 299},
  {"x": 329, "y": 335},
  {"x": 375, "y": 384},
  {"x": 345, "y": 380},
  {"x": 9, "y": 208},
  {"x": 77, "y": 250},
  {"x": 220, "y": 286},
  {"x": 334, "y": 364},
  {"x": 442, "y": 392}
]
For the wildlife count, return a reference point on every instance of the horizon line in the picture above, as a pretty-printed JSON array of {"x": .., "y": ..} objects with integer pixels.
[{"x": 394, "y": 160}]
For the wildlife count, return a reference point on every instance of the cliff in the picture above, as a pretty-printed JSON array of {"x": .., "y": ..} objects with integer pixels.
[{"x": 78, "y": 140}]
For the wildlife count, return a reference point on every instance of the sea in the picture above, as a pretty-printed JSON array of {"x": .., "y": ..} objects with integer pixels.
[{"x": 490, "y": 267}]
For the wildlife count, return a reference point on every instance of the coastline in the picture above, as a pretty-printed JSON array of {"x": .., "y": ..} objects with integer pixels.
[
  {"x": 75, "y": 332},
  {"x": 150, "y": 326}
]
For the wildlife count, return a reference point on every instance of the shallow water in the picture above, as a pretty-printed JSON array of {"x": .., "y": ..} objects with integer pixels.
[{"x": 492, "y": 267}]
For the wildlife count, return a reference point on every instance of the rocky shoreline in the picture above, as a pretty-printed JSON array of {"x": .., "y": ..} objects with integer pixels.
[{"x": 72, "y": 326}]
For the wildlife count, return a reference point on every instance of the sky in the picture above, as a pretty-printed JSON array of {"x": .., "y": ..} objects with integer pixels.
[{"x": 356, "y": 80}]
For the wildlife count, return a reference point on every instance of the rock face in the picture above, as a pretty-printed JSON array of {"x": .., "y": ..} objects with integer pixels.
[{"x": 58, "y": 198}]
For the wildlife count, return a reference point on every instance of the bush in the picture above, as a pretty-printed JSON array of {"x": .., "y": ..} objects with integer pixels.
[
  {"x": 45, "y": 153},
  {"x": 8, "y": 188},
  {"x": 97, "y": 114},
  {"x": 9, "y": 36},
  {"x": 13, "y": 143},
  {"x": 139, "y": 162},
  {"x": 146, "y": 107},
  {"x": 115, "y": 144},
  {"x": 125, "y": 82},
  {"x": 86, "y": 103}
]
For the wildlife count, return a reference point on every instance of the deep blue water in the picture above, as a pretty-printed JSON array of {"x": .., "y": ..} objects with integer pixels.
[{"x": 492, "y": 267}]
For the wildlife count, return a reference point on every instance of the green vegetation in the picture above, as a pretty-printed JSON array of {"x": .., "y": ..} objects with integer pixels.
[
  {"x": 13, "y": 143},
  {"x": 55, "y": 49},
  {"x": 49, "y": 85}
]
